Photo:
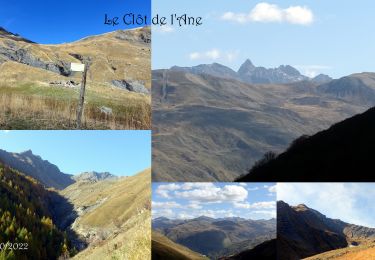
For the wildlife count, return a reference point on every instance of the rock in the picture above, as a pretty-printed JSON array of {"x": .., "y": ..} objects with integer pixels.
[
  {"x": 131, "y": 85},
  {"x": 24, "y": 57},
  {"x": 106, "y": 110},
  {"x": 65, "y": 84}
]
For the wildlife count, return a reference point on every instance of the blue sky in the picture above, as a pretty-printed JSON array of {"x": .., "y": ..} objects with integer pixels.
[
  {"x": 217, "y": 200},
  {"x": 350, "y": 202},
  {"x": 331, "y": 37},
  {"x": 65, "y": 21},
  {"x": 118, "y": 152}
]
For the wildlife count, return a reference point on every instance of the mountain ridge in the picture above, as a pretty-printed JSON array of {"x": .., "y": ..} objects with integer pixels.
[
  {"x": 216, "y": 237},
  {"x": 251, "y": 74},
  {"x": 325, "y": 156},
  {"x": 304, "y": 232}
]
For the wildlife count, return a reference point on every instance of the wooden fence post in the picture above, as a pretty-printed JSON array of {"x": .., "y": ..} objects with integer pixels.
[{"x": 81, "y": 100}]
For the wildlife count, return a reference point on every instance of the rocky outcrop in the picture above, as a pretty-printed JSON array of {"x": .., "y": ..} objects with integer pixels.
[
  {"x": 303, "y": 232},
  {"x": 13, "y": 53},
  {"x": 94, "y": 176},
  {"x": 65, "y": 84},
  {"x": 131, "y": 85}
]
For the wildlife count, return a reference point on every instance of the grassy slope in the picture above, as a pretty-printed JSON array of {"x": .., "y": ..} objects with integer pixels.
[
  {"x": 29, "y": 102},
  {"x": 212, "y": 129},
  {"x": 352, "y": 253},
  {"x": 123, "y": 212},
  {"x": 165, "y": 249}
]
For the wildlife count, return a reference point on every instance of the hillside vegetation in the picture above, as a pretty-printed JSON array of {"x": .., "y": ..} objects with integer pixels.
[
  {"x": 165, "y": 249},
  {"x": 362, "y": 252},
  {"x": 26, "y": 214},
  {"x": 343, "y": 152},
  {"x": 38, "y": 90},
  {"x": 209, "y": 126},
  {"x": 114, "y": 216}
]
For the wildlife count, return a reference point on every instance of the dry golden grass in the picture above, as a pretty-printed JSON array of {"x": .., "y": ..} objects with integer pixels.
[
  {"x": 362, "y": 252},
  {"x": 132, "y": 243},
  {"x": 29, "y": 102},
  {"x": 119, "y": 208}
]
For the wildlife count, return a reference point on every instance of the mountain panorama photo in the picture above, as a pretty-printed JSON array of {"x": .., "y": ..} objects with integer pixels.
[
  {"x": 214, "y": 124},
  {"x": 47, "y": 95},
  {"x": 60, "y": 215},
  {"x": 186, "y": 130}
]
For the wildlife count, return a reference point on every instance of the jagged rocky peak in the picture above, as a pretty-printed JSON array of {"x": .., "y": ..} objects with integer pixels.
[
  {"x": 93, "y": 176},
  {"x": 27, "y": 152},
  {"x": 289, "y": 70},
  {"x": 246, "y": 66}
]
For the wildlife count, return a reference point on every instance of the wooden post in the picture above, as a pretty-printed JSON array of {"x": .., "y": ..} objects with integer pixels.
[{"x": 81, "y": 100}]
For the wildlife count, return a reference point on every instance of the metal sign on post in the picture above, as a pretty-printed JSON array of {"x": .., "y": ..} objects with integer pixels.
[{"x": 77, "y": 67}]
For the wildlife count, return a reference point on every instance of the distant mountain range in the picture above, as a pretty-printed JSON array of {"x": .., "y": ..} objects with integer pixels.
[
  {"x": 304, "y": 232},
  {"x": 45, "y": 172},
  {"x": 216, "y": 237},
  {"x": 210, "y": 126},
  {"x": 343, "y": 152},
  {"x": 249, "y": 73}
]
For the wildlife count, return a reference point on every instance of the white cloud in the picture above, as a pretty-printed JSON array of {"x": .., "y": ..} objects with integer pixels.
[
  {"x": 272, "y": 188},
  {"x": 215, "y": 54},
  {"x": 264, "y": 213},
  {"x": 213, "y": 194},
  {"x": 167, "y": 213},
  {"x": 164, "y": 189},
  {"x": 194, "y": 205},
  {"x": 165, "y": 205},
  {"x": 312, "y": 70},
  {"x": 163, "y": 29},
  {"x": 255, "y": 205},
  {"x": 266, "y": 13}
]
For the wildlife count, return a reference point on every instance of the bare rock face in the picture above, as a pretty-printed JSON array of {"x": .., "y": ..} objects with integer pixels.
[
  {"x": 303, "y": 232},
  {"x": 131, "y": 85},
  {"x": 13, "y": 53},
  {"x": 94, "y": 176}
]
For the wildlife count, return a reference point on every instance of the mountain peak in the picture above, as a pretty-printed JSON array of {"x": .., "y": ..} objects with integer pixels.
[
  {"x": 289, "y": 70},
  {"x": 27, "y": 152},
  {"x": 93, "y": 176},
  {"x": 246, "y": 66},
  {"x": 4, "y": 33}
]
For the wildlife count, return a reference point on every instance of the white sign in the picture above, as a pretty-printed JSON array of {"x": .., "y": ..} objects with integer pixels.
[{"x": 77, "y": 67}]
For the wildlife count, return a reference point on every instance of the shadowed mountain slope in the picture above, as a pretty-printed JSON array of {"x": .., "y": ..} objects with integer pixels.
[
  {"x": 303, "y": 232},
  {"x": 265, "y": 251},
  {"x": 341, "y": 153},
  {"x": 208, "y": 128}
]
